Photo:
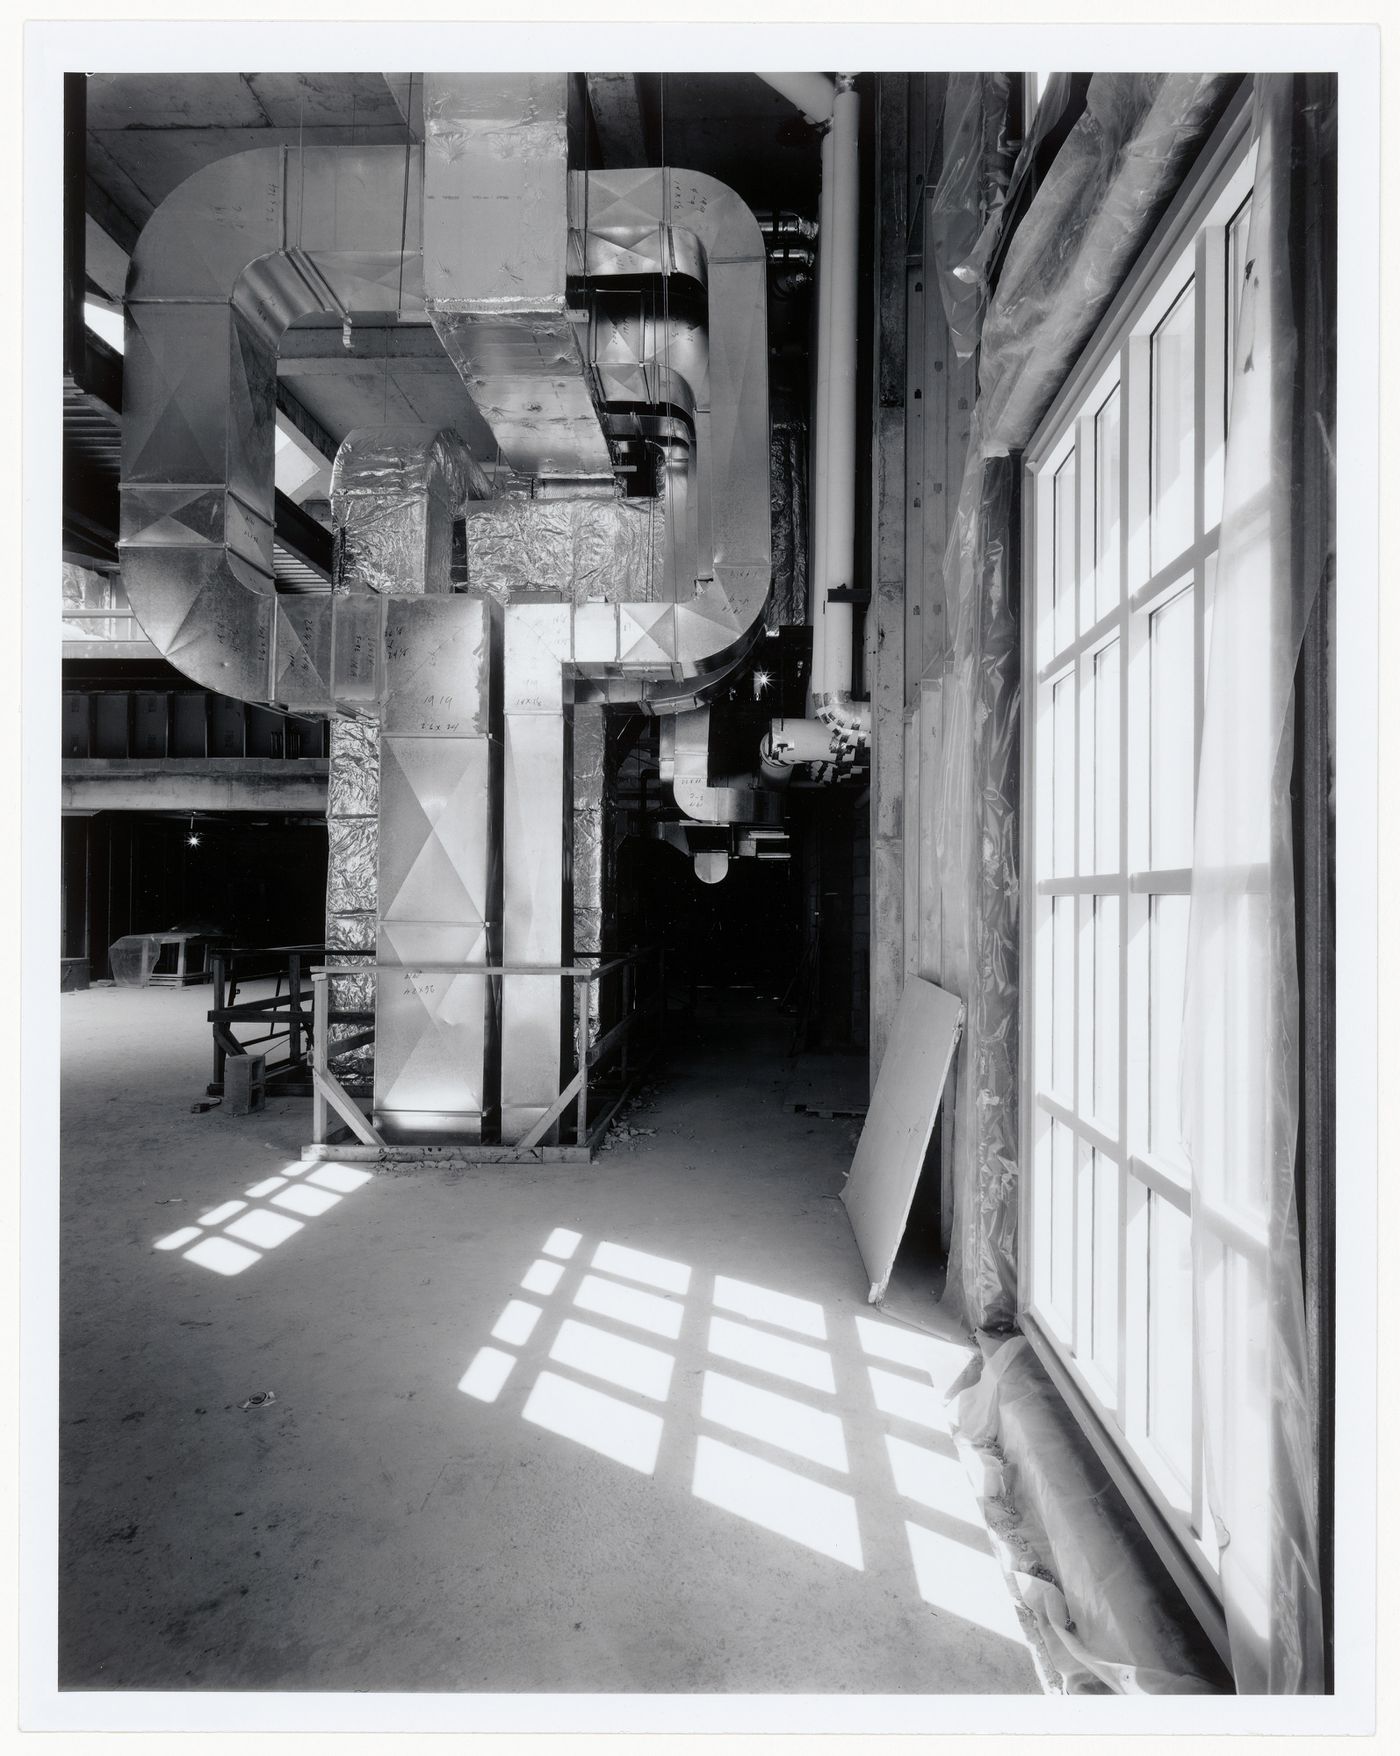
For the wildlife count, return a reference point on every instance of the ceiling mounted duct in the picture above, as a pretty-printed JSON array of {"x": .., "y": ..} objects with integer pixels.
[
  {"x": 226, "y": 263},
  {"x": 496, "y": 249},
  {"x": 251, "y": 243}
]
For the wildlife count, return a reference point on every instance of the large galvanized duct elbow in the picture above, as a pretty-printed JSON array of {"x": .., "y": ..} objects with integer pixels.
[
  {"x": 659, "y": 222},
  {"x": 228, "y": 261},
  {"x": 694, "y": 624}
]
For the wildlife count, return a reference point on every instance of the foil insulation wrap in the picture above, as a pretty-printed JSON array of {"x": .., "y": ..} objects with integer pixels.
[
  {"x": 590, "y": 841},
  {"x": 352, "y": 825},
  {"x": 394, "y": 494},
  {"x": 587, "y": 549},
  {"x": 787, "y": 467}
]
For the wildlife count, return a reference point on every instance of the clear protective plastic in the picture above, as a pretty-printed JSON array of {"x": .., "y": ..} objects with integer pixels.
[
  {"x": 976, "y": 824},
  {"x": 132, "y": 959},
  {"x": 1108, "y": 185},
  {"x": 971, "y": 188},
  {"x": 1110, "y": 1617},
  {"x": 1240, "y": 1034}
]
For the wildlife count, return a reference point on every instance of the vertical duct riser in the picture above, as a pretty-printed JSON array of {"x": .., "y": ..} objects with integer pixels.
[
  {"x": 535, "y": 1049},
  {"x": 436, "y": 1050}
]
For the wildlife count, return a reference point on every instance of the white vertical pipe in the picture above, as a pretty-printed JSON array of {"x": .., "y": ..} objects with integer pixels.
[
  {"x": 840, "y": 446},
  {"x": 821, "y": 429}
]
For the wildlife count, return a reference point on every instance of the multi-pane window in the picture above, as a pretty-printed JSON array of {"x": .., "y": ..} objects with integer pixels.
[{"x": 1126, "y": 492}]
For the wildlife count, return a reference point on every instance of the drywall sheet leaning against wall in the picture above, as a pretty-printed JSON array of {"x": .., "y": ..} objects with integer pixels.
[{"x": 898, "y": 1128}]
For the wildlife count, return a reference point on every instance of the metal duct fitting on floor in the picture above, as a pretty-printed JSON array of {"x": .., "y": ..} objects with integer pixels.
[
  {"x": 496, "y": 230},
  {"x": 226, "y": 263}
]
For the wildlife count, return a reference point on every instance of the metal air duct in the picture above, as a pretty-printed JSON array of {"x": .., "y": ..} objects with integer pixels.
[
  {"x": 496, "y": 233},
  {"x": 226, "y": 263},
  {"x": 685, "y": 767}
]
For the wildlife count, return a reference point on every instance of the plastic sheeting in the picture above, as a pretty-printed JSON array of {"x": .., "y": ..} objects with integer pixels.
[
  {"x": 787, "y": 468},
  {"x": 976, "y": 824},
  {"x": 1240, "y": 1037},
  {"x": 1110, "y": 1617},
  {"x": 581, "y": 550},
  {"x": 132, "y": 958},
  {"x": 971, "y": 186},
  {"x": 1108, "y": 185},
  {"x": 394, "y": 493}
]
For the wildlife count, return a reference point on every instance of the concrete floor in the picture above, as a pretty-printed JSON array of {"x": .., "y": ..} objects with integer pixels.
[{"x": 674, "y": 1452}]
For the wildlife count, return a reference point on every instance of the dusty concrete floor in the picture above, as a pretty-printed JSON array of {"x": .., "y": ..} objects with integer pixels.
[{"x": 682, "y": 1482}]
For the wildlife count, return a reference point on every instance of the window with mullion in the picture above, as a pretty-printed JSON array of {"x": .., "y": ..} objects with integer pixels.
[{"x": 1126, "y": 502}]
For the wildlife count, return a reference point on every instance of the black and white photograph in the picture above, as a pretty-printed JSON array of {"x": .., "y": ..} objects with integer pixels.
[{"x": 696, "y": 828}]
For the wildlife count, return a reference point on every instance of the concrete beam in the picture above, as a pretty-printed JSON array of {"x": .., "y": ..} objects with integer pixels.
[
  {"x": 250, "y": 784},
  {"x": 616, "y": 102}
]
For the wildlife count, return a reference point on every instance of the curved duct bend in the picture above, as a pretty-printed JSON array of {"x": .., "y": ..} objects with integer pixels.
[
  {"x": 226, "y": 263},
  {"x": 664, "y": 653},
  {"x": 663, "y": 221},
  {"x": 216, "y": 280}
]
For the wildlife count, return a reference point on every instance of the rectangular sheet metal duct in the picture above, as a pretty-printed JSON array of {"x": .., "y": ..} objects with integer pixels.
[
  {"x": 439, "y": 872},
  {"x": 496, "y": 236}
]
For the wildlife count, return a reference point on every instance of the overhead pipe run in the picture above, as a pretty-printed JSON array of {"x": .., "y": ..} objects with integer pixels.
[
  {"x": 841, "y": 725},
  {"x": 813, "y": 93}
]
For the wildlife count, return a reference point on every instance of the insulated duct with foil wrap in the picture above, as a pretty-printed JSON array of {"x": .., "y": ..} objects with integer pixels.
[
  {"x": 603, "y": 551},
  {"x": 592, "y": 832},
  {"x": 352, "y": 888},
  {"x": 394, "y": 494},
  {"x": 787, "y": 463}
]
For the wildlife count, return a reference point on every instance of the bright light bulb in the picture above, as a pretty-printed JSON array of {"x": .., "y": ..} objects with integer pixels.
[{"x": 193, "y": 840}]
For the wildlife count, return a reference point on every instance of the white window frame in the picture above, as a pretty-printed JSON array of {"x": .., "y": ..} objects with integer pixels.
[{"x": 1109, "y": 1396}]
